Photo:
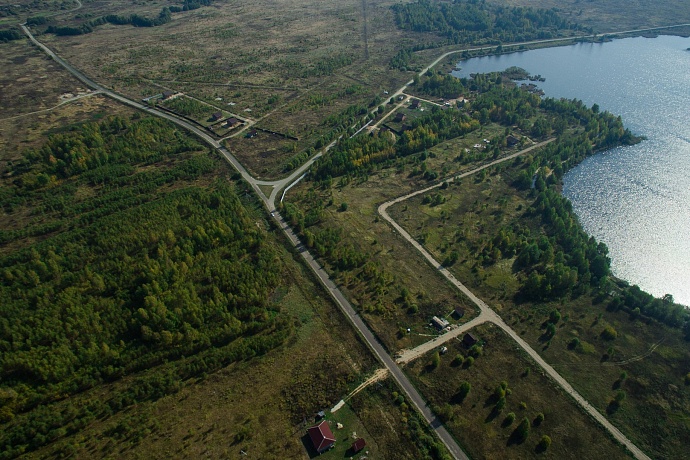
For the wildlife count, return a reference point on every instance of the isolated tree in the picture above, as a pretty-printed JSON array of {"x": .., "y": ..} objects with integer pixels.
[
  {"x": 544, "y": 443},
  {"x": 609, "y": 333},
  {"x": 521, "y": 433},
  {"x": 435, "y": 360},
  {"x": 463, "y": 391},
  {"x": 538, "y": 419}
]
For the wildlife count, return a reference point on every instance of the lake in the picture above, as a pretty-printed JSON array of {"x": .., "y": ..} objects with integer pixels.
[{"x": 635, "y": 199}]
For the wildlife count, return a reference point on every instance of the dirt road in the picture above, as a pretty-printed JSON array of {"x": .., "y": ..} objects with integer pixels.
[{"x": 488, "y": 315}]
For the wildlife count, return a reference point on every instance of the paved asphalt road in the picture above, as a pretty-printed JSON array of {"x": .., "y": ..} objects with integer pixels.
[
  {"x": 412, "y": 395},
  {"x": 376, "y": 347}
]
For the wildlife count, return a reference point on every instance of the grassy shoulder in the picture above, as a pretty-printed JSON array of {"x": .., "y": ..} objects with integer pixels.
[{"x": 485, "y": 393}]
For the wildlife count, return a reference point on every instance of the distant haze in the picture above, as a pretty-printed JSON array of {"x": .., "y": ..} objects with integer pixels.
[{"x": 635, "y": 199}]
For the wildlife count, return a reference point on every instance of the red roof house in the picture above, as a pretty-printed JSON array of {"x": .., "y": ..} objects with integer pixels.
[
  {"x": 358, "y": 445},
  {"x": 321, "y": 436}
]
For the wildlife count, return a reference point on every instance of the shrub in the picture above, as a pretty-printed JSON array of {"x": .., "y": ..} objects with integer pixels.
[
  {"x": 555, "y": 316},
  {"x": 538, "y": 419},
  {"x": 463, "y": 391},
  {"x": 510, "y": 418},
  {"x": 500, "y": 404},
  {"x": 435, "y": 360},
  {"x": 521, "y": 433},
  {"x": 476, "y": 350},
  {"x": 609, "y": 333},
  {"x": 544, "y": 443}
]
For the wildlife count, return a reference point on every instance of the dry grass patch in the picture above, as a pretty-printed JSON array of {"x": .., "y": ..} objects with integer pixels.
[{"x": 481, "y": 419}]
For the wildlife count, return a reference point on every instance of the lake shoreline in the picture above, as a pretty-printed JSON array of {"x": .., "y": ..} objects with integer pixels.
[{"x": 631, "y": 198}]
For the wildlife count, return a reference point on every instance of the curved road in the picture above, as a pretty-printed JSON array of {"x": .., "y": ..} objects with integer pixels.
[
  {"x": 488, "y": 315},
  {"x": 412, "y": 395}
]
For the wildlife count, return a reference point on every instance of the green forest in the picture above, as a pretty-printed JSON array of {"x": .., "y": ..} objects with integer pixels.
[
  {"x": 134, "y": 253},
  {"x": 474, "y": 22}
]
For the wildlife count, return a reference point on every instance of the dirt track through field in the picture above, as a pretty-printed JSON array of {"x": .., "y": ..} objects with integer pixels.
[{"x": 489, "y": 315}]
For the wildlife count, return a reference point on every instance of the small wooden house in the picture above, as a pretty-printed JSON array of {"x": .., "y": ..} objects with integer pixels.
[{"x": 321, "y": 436}]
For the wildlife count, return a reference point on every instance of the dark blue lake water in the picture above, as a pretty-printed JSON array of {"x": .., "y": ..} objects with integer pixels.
[{"x": 635, "y": 199}]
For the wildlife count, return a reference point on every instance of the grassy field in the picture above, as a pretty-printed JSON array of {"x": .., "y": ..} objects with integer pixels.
[
  {"x": 287, "y": 63},
  {"x": 487, "y": 431},
  {"x": 37, "y": 97},
  {"x": 30, "y": 81},
  {"x": 654, "y": 357}
]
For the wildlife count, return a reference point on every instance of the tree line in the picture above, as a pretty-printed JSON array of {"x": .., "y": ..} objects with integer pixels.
[
  {"x": 474, "y": 21},
  {"x": 136, "y": 20}
]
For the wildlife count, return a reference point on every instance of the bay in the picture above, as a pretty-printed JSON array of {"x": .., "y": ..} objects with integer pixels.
[{"x": 635, "y": 199}]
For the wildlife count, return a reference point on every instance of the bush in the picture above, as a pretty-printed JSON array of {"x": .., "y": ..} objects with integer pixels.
[
  {"x": 510, "y": 418},
  {"x": 544, "y": 443},
  {"x": 555, "y": 316},
  {"x": 463, "y": 391},
  {"x": 538, "y": 419},
  {"x": 476, "y": 351},
  {"x": 609, "y": 333},
  {"x": 435, "y": 360},
  {"x": 500, "y": 405},
  {"x": 521, "y": 433}
]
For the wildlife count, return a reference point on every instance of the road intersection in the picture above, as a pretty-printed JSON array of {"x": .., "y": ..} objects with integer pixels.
[{"x": 486, "y": 313}]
